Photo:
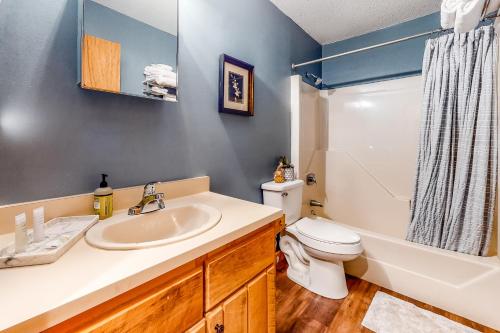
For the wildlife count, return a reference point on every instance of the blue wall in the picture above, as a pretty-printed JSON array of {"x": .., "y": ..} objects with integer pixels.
[
  {"x": 141, "y": 44},
  {"x": 56, "y": 138},
  {"x": 397, "y": 60}
]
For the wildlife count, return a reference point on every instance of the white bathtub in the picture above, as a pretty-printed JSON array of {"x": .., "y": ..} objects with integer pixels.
[{"x": 466, "y": 285}]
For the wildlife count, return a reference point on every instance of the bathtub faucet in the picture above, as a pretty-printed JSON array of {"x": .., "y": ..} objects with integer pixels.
[{"x": 315, "y": 203}]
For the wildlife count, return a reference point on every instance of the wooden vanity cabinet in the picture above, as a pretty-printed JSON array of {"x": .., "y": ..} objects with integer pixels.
[
  {"x": 231, "y": 290},
  {"x": 250, "y": 309},
  {"x": 239, "y": 284},
  {"x": 234, "y": 265},
  {"x": 172, "y": 302}
]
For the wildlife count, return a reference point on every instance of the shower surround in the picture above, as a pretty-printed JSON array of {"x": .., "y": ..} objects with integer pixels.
[{"x": 361, "y": 141}]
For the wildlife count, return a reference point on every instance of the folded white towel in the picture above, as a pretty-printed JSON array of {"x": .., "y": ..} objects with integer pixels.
[
  {"x": 160, "y": 81},
  {"x": 448, "y": 13},
  {"x": 468, "y": 15},
  {"x": 159, "y": 91},
  {"x": 160, "y": 75},
  {"x": 166, "y": 81},
  {"x": 163, "y": 93},
  {"x": 169, "y": 74},
  {"x": 157, "y": 68}
]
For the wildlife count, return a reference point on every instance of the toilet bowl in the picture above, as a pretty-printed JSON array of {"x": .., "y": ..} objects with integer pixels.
[{"x": 315, "y": 247}]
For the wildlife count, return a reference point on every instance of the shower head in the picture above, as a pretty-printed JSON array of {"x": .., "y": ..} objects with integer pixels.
[{"x": 317, "y": 79}]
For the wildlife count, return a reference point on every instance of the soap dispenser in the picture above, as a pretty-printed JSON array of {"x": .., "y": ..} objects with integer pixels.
[{"x": 103, "y": 199}]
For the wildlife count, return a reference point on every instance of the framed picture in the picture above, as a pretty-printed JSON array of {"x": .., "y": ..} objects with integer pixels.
[{"x": 235, "y": 86}]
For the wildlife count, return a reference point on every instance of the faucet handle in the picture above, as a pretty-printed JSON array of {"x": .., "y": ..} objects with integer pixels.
[{"x": 150, "y": 189}]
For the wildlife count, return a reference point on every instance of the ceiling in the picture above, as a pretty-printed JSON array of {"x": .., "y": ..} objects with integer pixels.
[
  {"x": 161, "y": 14},
  {"x": 329, "y": 21}
]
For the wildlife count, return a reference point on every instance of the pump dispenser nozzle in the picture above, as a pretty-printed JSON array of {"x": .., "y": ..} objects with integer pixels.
[{"x": 103, "y": 183}]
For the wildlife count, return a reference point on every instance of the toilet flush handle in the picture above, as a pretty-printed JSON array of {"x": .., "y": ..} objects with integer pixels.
[{"x": 284, "y": 194}]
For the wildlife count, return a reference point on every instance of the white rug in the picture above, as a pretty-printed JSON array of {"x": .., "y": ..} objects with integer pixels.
[{"x": 388, "y": 314}]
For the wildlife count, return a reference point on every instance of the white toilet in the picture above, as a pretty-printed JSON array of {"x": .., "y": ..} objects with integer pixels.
[{"x": 315, "y": 248}]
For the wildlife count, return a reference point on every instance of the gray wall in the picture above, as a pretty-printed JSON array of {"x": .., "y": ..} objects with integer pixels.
[
  {"x": 141, "y": 44},
  {"x": 397, "y": 60},
  {"x": 55, "y": 138}
]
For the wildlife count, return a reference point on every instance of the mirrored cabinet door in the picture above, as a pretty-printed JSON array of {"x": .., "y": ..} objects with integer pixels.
[{"x": 129, "y": 47}]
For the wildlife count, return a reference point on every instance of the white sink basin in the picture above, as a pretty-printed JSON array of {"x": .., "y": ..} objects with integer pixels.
[{"x": 169, "y": 225}]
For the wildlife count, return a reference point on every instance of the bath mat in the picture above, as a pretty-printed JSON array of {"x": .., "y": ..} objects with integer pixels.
[{"x": 388, "y": 314}]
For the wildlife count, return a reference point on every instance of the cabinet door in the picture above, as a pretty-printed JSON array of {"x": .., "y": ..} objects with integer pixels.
[
  {"x": 271, "y": 299},
  {"x": 215, "y": 320},
  {"x": 236, "y": 313},
  {"x": 257, "y": 304},
  {"x": 100, "y": 64}
]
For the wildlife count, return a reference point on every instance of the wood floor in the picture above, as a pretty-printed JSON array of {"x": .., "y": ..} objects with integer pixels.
[{"x": 299, "y": 310}]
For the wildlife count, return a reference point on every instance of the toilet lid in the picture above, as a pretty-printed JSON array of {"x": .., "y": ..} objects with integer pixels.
[{"x": 324, "y": 231}]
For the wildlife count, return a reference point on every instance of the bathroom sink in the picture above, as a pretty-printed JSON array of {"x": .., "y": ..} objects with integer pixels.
[{"x": 169, "y": 225}]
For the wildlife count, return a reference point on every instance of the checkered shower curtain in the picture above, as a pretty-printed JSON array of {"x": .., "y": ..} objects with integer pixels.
[{"x": 454, "y": 199}]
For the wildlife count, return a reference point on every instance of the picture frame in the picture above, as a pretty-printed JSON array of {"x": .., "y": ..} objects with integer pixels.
[{"x": 236, "y": 86}]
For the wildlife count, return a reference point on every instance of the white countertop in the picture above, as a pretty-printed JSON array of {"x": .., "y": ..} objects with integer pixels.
[{"x": 35, "y": 298}]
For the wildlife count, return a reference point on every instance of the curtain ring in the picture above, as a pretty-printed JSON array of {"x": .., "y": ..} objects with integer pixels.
[{"x": 435, "y": 34}]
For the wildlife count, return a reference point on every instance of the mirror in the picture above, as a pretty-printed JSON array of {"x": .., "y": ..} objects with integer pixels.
[{"x": 129, "y": 47}]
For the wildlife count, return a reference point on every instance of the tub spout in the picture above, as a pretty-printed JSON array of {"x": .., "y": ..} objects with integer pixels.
[{"x": 315, "y": 203}]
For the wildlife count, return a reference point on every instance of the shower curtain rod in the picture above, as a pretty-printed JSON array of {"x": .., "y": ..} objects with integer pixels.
[{"x": 294, "y": 66}]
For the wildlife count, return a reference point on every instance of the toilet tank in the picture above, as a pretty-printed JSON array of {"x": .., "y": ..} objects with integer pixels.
[{"x": 287, "y": 196}]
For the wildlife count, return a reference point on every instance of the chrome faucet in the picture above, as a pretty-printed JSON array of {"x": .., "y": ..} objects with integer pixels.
[
  {"x": 311, "y": 179},
  {"x": 315, "y": 203},
  {"x": 151, "y": 201}
]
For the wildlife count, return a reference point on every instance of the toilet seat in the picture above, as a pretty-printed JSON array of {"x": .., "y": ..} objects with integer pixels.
[
  {"x": 326, "y": 231},
  {"x": 336, "y": 239}
]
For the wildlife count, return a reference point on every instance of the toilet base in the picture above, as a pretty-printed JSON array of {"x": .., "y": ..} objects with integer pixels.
[
  {"x": 318, "y": 271},
  {"x": 299, "y": 278},
  {"x": 327, "y": 278},
  {"x": 324, "y": 278}
]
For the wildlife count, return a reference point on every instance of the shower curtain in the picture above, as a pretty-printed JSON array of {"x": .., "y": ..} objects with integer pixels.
[{"x": 454, "y": 198}]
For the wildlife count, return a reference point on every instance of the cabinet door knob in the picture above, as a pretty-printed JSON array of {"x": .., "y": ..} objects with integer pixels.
[
  {"x": 284, "y": 194},
  {"x": 219, "y": 328}
]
